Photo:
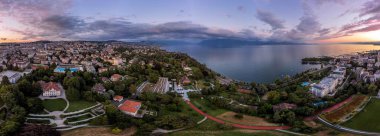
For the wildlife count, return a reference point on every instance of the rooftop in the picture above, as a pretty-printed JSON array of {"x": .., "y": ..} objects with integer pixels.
[{"x": 130, "y": 106}]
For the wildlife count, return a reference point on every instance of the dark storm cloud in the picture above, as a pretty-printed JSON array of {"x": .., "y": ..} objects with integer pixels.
[
  {"x": 75, "y": 28},
  {"x": 270, "y": 19}
]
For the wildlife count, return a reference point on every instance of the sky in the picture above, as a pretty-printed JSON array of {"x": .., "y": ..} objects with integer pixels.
[{"x": 309, "y": 21}]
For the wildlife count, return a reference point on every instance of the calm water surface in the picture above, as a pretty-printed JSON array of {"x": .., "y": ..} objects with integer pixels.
[{"x": 263, "y": 63}]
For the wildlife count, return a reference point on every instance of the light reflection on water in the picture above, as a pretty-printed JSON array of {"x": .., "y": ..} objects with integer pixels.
[{"x": 263, "y": 63}]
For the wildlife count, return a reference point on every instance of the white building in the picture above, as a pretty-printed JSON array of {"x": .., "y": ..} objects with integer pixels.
[
  {"x": 339, "y": 72},
  {"x": 377, "y": 75},
  {"x": 13, "y": 76},
  {"x": 325, "y": 86},
  {"x": 50, "y": 89}
]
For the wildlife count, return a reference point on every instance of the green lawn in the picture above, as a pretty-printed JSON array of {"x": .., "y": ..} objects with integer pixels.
[
  {"x": 367, "y": 119},
  {"x": 79, "y": 105},
  {"x": 192, "y": 113},
  {"x": 79, "y": 118},
  {"x": 207, "y": 107},
  {"x": 54, "y": 104}
]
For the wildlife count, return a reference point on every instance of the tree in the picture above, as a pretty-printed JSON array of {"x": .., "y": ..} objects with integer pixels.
[
  {"x": 277, "y": 117},
  {"x": 238, "y": 116},
  {"x": 372, "y": 89},
  {"x": 38, "y": 130},
  {"x": 274, "y": 97},
  {"x": 34, "y": 105},
  {"x": 119, "y": 88},
  {"x": 5, "y": 81},
  {"x": 26, "y": 87},
  {"x": 37, "y": 90},
  {"x": 132, "y": 89},
  {"x": 88, "y": 77},
  {"x": 290, "y": 117},
  {"x": 72, "y": 94}
]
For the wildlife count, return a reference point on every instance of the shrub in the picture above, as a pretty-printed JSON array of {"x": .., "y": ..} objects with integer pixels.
[
  {"x": 239, "y": 116},
  {"x": 116, "y": 131}
]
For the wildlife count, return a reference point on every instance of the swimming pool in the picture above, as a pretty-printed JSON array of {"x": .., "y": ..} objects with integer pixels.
[{"x": 62, "y": 70}]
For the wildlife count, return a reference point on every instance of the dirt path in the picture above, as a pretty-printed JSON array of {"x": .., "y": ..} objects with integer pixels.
[{"x": 234, "y": 124}]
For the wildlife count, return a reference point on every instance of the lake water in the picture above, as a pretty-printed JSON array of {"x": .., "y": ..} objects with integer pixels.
[{"x": 263, "y": 63}]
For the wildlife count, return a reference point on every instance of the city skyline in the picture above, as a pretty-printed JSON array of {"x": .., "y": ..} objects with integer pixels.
[{"x": 265, "y": 20}]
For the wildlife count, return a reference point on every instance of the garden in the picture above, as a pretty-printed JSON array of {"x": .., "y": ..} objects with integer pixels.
[
  {"x": 79, "y": 105},
  {"x": 54, "y": 104}
]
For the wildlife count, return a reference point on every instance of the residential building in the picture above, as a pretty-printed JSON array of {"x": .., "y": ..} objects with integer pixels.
[
  {"x": 99, "y": 88},
  {"x": 116, "y": 77},
  {"x": 50, "y": 89},
  {"x": 118, "y": 98},
  {"x": 185, "y": 80},
  {"x": 283, "y": 106},
  {"x": 130, "y": 107},
  {"x": 325, "y": 86},
  {"x": 13, "y": 76}
]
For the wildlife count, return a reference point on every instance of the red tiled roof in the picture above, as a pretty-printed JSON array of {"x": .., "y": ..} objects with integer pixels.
[
  {"x": 49, "y": 86},
  {"x": 244, "y": 91},
  {"x": 116, "y": 76},
  {"x": 185, "y": 80},
  {"x": 284, "y": 106},
  {"x": 130, "y": 106},
  {"x": 118, "y": 98}
]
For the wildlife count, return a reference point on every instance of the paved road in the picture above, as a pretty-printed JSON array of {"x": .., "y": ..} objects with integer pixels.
[
  {"x": 236, "y": 125},
  {"x": 341, "y": 128}
]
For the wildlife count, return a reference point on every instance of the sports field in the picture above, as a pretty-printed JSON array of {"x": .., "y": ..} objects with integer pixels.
[{"x": 368, "y": 119}]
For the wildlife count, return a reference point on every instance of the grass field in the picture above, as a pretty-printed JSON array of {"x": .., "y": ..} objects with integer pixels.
[
  {"x": 226, "y": 133},
  {"x": 207, "y": 107},
  {"x": 246, "y": 120},
  {"x": 98, "y": 131},
  {"x": 367, "y": 119},
  {"x": 54, "y": 104},
  {"x": 87, "y": 116},
  {"x": 192, "y": 113},
  {"x": 79, "y": 105}
]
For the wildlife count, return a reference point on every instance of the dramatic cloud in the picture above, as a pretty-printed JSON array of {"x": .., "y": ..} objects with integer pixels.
[
  {"x": 320, "y": 2},
  {"x": 370, "y": 8},
  {"x": 50, "y": 20},
  {"x": 308, "y": 24},
  {"x": 270, "y": 19},
  {"x": 308, "y": 29},
  {"x": 369, "y": 13}
]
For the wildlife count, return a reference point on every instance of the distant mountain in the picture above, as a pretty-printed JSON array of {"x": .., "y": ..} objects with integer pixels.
[
  {"x": 240, "y": 42},
  {"x": 173, "y": 42}
]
